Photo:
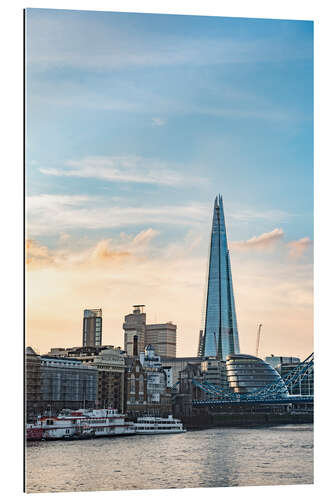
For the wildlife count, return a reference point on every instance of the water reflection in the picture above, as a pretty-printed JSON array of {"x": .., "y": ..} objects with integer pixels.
[{"x": 214, "y": 457}]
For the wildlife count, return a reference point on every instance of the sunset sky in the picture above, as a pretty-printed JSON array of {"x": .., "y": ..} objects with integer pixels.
[{"x": 134, "y": 123}]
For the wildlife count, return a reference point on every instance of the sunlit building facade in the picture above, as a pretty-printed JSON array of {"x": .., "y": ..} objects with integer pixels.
[
  {"x": 220, "y": 336},
  {"x": 92, "y": 328}
]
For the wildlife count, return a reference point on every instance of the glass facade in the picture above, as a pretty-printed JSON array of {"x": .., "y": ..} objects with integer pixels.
[
  {"x": 246, "y": 373},
  {"x": 220, "y": 334},
  {"x": 92, "y": 328}
]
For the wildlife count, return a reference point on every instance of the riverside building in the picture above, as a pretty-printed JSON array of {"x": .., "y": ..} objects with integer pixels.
[
  {"x": 67, "y": 383},
  {"x": 110, "y": 364},
  {"x": 32, "y": 383},
  {"x": 146, "y": 388}
]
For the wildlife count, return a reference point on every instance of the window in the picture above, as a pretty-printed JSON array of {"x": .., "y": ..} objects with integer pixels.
[
  {"x": 141, "y": 383},
  {"x": 132, "y": 389}
]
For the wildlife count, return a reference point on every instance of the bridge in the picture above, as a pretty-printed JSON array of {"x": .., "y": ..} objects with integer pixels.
[{"x": 270, "y": 394}]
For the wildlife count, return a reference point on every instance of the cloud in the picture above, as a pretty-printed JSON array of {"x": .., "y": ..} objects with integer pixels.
[
  {"x": 158, "y": 122},
  {"x": 80, "y": 40},
  {"x": 103, "y": 252},
  {"x": 298, "y": 247},
  {"x": 53, "y": 214},
  {"x": 37, "y": 255},
  {"x": 243, "y": 215},
  {"x": 121, "y": 169},
  {"x": 114, "y": 274},
  {"x": 262, "y": 242}
]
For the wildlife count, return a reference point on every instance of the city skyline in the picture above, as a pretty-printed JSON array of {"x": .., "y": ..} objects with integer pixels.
[{"x": 151, "y": 116}]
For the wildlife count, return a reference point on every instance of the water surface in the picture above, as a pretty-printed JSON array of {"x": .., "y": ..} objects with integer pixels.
[{"x": 213, "y": 457}]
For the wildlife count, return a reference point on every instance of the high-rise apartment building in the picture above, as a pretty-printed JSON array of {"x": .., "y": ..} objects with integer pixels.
[
  {"x": 134, "y": 331},
  {"x": 92, "y": 328},
  {"x": 163, "y": 338},
  {"x": 220, "y": 337}
]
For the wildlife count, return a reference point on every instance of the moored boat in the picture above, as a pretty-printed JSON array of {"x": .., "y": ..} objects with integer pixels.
[
  {"x": 158, "y": 425},
  {"x": 84, "y": 424},
  {"x": 34, "y": 432}
]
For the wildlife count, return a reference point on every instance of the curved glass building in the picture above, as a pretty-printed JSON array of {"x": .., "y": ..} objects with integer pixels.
[
  {"x": 247, "y": 373},
  {"x": 220, "y": 335}
]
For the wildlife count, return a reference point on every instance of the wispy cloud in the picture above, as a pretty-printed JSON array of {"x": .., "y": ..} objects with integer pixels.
[
  {"x": 298, "y": 247},
  {"x": 133, "y": 169},
  {"x": 244, "y": 214},
  {"x": 101, "y": 253},
  {"x": 158, "y": 122},
  {"x": 79, "y": 40},
  {"x": 54, "y": 214},
  {"x": 262, "y": 242}
]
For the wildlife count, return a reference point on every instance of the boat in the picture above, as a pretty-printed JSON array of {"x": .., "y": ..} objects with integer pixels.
[
  {"x": 158, "y": 425},
  {"x": 85, "y": 424},
  {"x": 34, "y": 432}
]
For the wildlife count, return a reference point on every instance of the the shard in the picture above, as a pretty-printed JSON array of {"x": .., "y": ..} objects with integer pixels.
[{"x": 220, "y": 336}]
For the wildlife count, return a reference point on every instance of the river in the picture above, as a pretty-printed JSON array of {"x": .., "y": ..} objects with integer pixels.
[{"x": 213, "y": 457}]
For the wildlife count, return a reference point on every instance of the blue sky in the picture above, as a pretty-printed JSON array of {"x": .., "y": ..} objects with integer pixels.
[{"x": 137, "y": 121}]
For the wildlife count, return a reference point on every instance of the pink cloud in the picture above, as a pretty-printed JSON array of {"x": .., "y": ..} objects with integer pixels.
[
  {"x": 298, "y": 247},
  {"x": 264, "y": 241}
]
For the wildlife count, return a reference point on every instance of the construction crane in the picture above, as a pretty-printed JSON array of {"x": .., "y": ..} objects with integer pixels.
[{"x": 258, "y": 339}]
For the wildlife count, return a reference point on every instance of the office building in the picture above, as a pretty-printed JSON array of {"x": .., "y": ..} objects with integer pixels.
[
  {"x": 163, "y": 338},
  {"x": 138, "y": 334},
  {"x": 302, "y": 385},
  {"x": 213, "y": 371},
  {"x": 220, "y": 337},
  {"x": 276, "y": 361},
  {"x": 176, "y": 365},
  {"x": 247, "y": 374},
  {"x": 134, "y": 331},
  {"x": 92, "y": 327}
]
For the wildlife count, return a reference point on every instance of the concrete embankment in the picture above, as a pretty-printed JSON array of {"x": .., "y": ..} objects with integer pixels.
[{"x": 244, "y": 420}]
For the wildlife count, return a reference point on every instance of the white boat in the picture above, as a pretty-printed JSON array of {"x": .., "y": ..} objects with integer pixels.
[
  {"x": 158, "y": 425},
  {"x": 85, "y": 423}
]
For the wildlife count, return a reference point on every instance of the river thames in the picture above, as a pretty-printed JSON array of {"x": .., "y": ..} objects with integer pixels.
[{"x": 213, "y": 457}]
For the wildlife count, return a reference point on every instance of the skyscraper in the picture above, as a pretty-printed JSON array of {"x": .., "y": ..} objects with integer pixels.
[
  {"x": 92, "y": 327},
  {"x": 220, "y": 337}
]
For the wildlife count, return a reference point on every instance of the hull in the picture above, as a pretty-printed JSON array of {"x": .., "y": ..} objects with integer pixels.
[
  {"x": 91, "y": 433},
  {"x": 34, "y": 434},
  {"x": 160, "y": 432}
]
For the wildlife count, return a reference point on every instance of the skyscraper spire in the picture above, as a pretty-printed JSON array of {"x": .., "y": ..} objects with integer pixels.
[{"x": 220, "y": 336}]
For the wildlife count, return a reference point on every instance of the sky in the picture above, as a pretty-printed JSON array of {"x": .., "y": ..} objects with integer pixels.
[{"x": 134, "y": 123}]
